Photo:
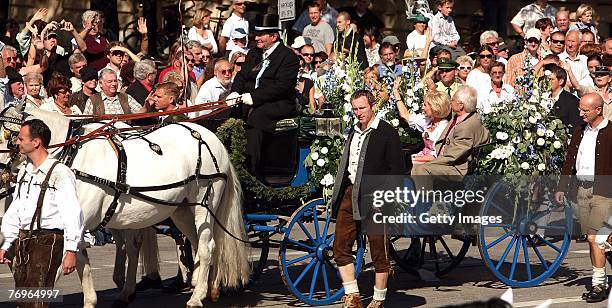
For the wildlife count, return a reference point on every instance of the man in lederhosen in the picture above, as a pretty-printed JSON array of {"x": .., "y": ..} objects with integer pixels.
[
  {"x": 45, "y": 217},
  {"x": 266, "y": 83}
]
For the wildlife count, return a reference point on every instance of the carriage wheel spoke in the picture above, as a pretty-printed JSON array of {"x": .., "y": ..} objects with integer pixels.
[
  {"x": 517, "y": 248},
  {"x": 422, "y": 254},
  {"x": 316, "y": 224},
  {"x": 448, "y": 251},
  {"x": 526, "y": 256},
  {"x": 313, "y": 283},
  {"x": 325, "y": 281},
  {"x": 537, "y": 251},
  {"x": 506, "y": 214},
  {"x": 326, "y": 227},
  {"x": 553, "y": 246},
  {"x": 505, "y": 226},
  {"x": 302, "y": 258},
  {"x": 306, "y": 231},
  {"x": 497, "y": 241},
  {"x": 308, "y": 248},
  {"x": 505, "y": 254},
  {"x": 306, "y": 270}
]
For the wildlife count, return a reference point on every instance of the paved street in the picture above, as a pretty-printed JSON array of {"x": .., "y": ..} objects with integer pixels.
[{"x": 470, "y": 281}]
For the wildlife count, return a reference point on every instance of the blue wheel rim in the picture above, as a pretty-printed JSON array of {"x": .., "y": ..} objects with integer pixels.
[
  {"x": 522, "y": 264},
  {"x": 306, "y": 266}
]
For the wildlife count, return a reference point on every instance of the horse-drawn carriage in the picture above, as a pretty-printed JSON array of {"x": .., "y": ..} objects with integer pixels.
[{"x": 286, "y": 213}]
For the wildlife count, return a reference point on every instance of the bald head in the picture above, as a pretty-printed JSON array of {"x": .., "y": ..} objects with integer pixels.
[{"x": 591, "y": 109}]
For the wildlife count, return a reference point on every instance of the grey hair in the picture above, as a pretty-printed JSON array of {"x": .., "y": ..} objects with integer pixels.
[
  {"x": 106, "y": 71},
  {"x": 10, "y": 48},
  {"x": 219, "y": 62},
  {"x": 468, "y": 96},
  {"x": 486, "y": 34},
  {"x": 192, "y": 44},
  {"x": 577, "y": 31},
  {"x": 142, "y": 69},
  {"x": 87, "y": 14},
  {"x": 33, "y": 76},
  {"x": 76, "y": 58}
]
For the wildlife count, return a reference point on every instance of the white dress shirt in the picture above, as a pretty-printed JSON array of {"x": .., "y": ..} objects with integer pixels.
[
  {"x": 443, "y": 29},
  {"x": 577, "y": 64},
  {"x": 60, "y": 209},
  {"x": 210, "y": 92},
  {"x": 478, "y": 80},
  {"x": 355, "y": 148},
  {"x": 265, "y": 62},
  {"x": 488, "y": 99},
  {"x": 585, "y": 159}
]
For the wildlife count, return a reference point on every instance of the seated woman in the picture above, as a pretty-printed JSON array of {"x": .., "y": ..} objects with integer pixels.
[
  {"x": 59, "y": 89},
  {"x": 33, "y": 83},
  {"x": 437, "y": 108}
]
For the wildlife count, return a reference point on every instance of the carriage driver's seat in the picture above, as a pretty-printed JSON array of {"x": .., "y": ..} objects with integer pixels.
[{"x": 280, "y": 153}]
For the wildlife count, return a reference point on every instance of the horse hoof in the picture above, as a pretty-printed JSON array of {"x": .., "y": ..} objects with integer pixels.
[{"x": 214, "y": 294}]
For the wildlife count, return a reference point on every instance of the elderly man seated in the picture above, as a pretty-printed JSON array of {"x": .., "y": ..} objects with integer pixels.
[{"x": 462, "y": 134}]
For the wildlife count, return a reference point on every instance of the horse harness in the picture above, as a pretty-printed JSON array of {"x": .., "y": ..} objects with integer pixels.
[{"x": 120, "y": 185}]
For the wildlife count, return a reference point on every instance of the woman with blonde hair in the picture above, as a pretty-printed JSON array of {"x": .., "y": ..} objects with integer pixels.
[
  {"x": 33, "y": 84},
  {"x": 466, "y": 64},
  {"x": 237, "y": 60},
  {"x": 200, "y": 30},
  {"x": 436, "y": 108},
  {"x": 585, "y": 16}
]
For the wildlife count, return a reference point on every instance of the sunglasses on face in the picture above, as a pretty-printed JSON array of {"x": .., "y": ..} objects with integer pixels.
[
  {"x": 558, "y": 41},
  {"x": 10, "y": 59},
  {"x": 533, "y": 41},
  {"x": 63, "y": 91},
  {"x": 308, "y": 54},
  {"x": 239, "y": 63},
  {"x": 601, "y": 74},
  {"x": 227, "y": 72},
  {"x": 493, "y": 44},
  {"x": 317, "y": 62},
  {"x": 467, "y": 68},
  {"x": 192, "y": 60},
  {"x": 489, "y": 56}
]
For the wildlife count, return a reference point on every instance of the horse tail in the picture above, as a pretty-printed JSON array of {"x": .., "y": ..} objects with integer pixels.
[{"x": 231, "y": 260}]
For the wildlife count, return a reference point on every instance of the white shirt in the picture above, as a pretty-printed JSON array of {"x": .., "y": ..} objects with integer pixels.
[
  {"x": 234, "y": 22},
  {"x": 210, "y": 92},
  {"x": 529, "y": 14},
  {"x": 52, "y": 106},
  {"x": 488, "y": 99},
  {"x": 443, "y": 29},
  {"x": 578, "y": 65},
  {"x": 193, "y": 35},
  {"x": 422, "y": 123},
  {"x": 76, "y": 84},
  {"x": 585, "y": 159},
  {"x": 478, "y": 80},
  {"x": 60, "y": 209},
  {"x": 355, "y": 148},
  {"x": 112, "y": 105},
  {"x": 416, "y": 41}
]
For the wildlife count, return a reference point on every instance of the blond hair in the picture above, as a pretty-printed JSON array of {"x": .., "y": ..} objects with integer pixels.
[
  {"x": 199, "y": 14},
  {"x": 583, "y": 9},
  {"x": 439, "y": 102}
]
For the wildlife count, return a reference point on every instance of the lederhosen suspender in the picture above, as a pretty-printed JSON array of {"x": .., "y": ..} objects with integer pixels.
[{"x": 41, "y": 197}]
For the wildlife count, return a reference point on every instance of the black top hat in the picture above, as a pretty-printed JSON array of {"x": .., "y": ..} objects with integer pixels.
[
  {"x": 266, "y": 23},
  {"x": 13, "y": 75}
]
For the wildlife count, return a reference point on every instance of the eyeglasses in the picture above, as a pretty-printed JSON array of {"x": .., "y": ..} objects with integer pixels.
[
  {"x": 10, "y": 59},
  {"x": 533, "y": 41},
  {"x": 238, "y": 63},
  {"x": 497, "y": 73},
  {"x": 64, "y": 91},
  {"x": 308, "y": 54},
  {"x": 489, "y": 56},
  {"x": 117, "y": 53},
  {"x": 317, "y": 62},
  {"x": 467, "y": 68},
  {"x": 192, "y": 60},
  {"x": 226, "y": 72},
  {"x": 558, "y": 41},
  {"x": 493, "y": 44}
]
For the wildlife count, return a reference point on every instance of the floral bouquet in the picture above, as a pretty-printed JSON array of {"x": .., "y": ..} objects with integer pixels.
[{"x": 527, "y": 137}]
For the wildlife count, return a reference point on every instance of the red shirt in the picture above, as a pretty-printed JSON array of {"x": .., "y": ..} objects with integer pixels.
[{"x": 96, "y": 52}]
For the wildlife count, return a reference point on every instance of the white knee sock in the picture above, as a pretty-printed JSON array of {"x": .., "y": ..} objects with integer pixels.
[
  {"x": 380, "y": 295},
  {"x": 599, "y": 276},
  {"x": 350, "y": 287}
]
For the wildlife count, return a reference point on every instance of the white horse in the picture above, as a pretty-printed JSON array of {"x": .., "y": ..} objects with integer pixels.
[{"x": 180, "y": 151}]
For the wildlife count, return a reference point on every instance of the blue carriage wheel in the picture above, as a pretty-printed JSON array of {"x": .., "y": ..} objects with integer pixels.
[
  {"x": 510, "y": 250},
  {"x": 306, "y": 256},
  {"x": 437, "y": 254}
]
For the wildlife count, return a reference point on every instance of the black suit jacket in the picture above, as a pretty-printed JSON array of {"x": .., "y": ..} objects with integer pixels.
[
  {"x": 566, "y": 109},
  {"x": 138, "y": 92},
  {"x": 351, "y": 42},
  {"x": 274, "y": 99},
  {"x": 383, "y": 156}
]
